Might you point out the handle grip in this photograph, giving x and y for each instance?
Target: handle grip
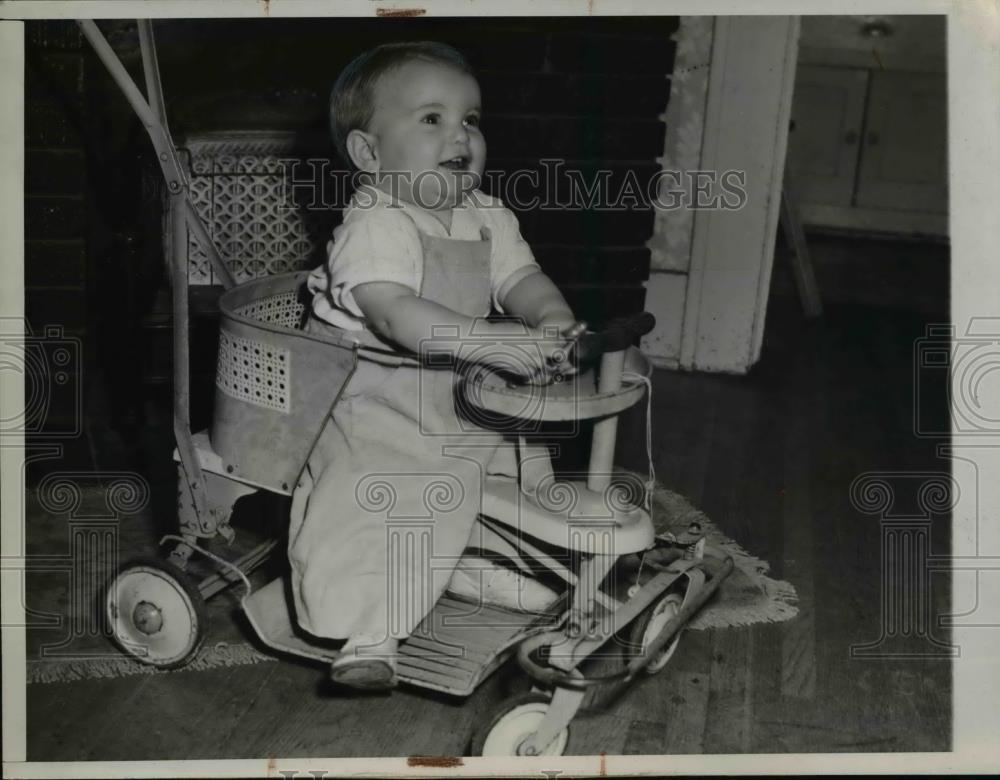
(622, 331)
(616, 336)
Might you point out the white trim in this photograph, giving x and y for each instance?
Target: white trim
(669, 363)
(193, 9)
(974, 156)
(746, 128)
(709, 144)
(905, 224)
(12, 390)
(670, 244)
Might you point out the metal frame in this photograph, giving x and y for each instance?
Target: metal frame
(152, 113)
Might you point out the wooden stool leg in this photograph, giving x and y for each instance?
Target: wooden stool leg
(802, 268)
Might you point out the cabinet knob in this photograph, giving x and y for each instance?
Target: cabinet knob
(873, 139)
(851, 137)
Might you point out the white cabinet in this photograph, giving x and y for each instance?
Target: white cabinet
(868, 147)
(904, 161)
(827, 113)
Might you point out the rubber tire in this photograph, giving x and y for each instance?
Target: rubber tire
(481, 736)
(641, 625)
(186, 587)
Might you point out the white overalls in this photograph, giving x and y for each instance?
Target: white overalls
(388, 499)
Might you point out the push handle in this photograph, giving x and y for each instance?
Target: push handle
(617, 335)
(586, 349)
(622, 331)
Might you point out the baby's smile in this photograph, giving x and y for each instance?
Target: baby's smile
(456, 163)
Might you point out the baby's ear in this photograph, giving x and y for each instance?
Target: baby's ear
(361, 149)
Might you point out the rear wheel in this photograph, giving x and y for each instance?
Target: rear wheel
(156, 613)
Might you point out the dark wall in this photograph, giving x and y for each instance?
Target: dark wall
(588, 92)
(93, 250)
(56, 203)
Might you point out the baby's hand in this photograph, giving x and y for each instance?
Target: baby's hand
(553, 358)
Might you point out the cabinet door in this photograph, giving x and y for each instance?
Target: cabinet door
(827, 111)
(904, 159)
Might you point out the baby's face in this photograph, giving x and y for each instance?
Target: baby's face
(427, 143)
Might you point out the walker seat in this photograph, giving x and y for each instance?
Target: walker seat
(273, 381)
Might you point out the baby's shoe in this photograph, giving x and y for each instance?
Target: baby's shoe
(484, 582)
(366, 662)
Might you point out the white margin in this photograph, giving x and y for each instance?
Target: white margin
(974, 148)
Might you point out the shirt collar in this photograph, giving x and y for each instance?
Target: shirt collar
(367, 193)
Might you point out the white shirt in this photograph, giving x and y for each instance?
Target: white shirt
(379, 242)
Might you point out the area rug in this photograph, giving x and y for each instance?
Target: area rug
(66, 581)
(79, 530)
(746, 596)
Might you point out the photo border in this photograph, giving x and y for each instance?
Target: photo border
(974, 176)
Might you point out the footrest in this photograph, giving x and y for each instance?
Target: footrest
(459, 644)
(268, 611)
(454, 648)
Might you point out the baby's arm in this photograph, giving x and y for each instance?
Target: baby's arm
(539, 302)
(399, 314)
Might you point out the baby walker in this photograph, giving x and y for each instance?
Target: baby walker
(272, 376)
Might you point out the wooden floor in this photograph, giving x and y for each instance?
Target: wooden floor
(770, 457)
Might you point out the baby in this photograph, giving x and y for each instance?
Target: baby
(386, 504)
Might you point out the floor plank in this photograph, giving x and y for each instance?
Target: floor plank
(728, 721)
(87, 712)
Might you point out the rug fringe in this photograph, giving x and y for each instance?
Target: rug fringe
(780, 607)
(219, 655)
(781, 598)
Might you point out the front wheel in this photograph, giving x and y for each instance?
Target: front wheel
(156, 613)
(648, 626)
(513, 724)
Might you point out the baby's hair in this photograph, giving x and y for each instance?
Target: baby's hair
(352, 99)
